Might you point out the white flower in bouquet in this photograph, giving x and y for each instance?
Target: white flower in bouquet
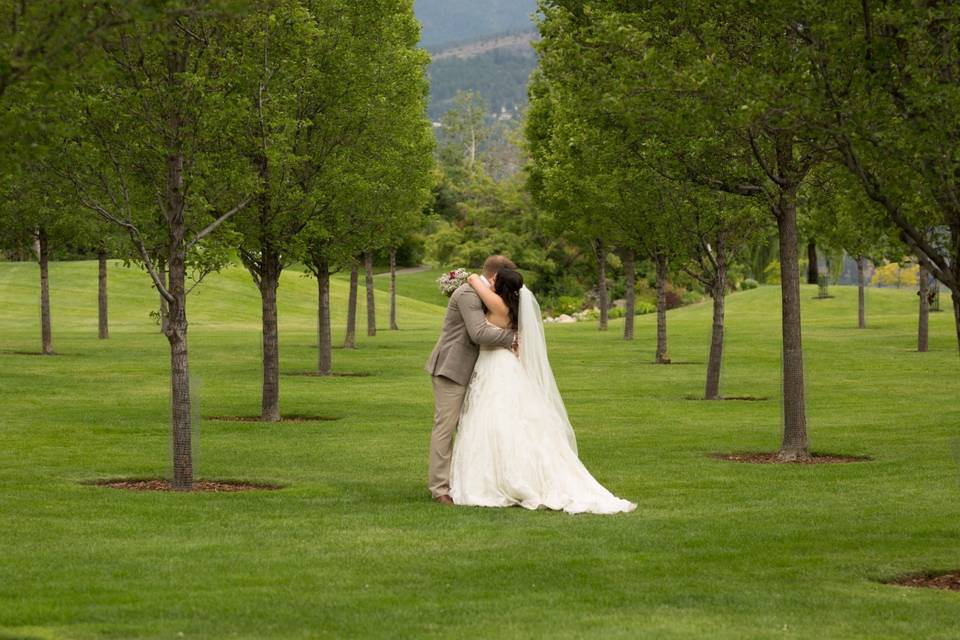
(452, 280)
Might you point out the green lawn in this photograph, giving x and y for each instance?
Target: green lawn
(353, 547)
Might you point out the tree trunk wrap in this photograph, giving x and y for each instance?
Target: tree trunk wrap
(861, 295)
(371, 302)
(630, 269)
(324, 334)
(164, 305)
(103, 327)
(795, 444)
(662, 265)
(923, 322)
(182, 423)
(269, 283)
(813, 267)
(46, 330)
(604, 298)
(956, 315)
(350, 340)
(715, 362)
(393, 290)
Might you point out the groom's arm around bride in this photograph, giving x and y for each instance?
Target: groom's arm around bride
(465, 329)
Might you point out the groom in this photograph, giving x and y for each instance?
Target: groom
(465, 329)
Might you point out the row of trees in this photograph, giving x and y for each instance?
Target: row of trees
(677, 132)
(281, 131)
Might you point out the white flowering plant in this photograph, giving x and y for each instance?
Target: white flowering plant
(452, 280)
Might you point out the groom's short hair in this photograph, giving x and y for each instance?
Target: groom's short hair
(495, 263)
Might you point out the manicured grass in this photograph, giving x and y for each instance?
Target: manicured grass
(352, 547)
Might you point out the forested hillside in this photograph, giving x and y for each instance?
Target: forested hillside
(447, 22)
(500, 76)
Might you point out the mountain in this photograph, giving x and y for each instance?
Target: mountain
(497, 69)
(482, 46)
(449, 22)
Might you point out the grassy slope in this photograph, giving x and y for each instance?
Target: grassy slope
(353, 547)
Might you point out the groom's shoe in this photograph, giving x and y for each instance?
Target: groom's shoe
(444, 500)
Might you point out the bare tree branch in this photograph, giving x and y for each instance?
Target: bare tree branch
(216, 223)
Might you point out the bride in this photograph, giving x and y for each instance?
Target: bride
(515, 445)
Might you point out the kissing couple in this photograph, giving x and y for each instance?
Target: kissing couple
(494, 389)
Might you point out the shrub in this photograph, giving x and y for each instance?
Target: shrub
(616, 312)
(893, 274)
(772, 273)
(674, 298)
(749, 283)
(567, 305)
(691, 297)
(643, 308)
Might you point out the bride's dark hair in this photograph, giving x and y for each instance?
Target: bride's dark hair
(507, 286)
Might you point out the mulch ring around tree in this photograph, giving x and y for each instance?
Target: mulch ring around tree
(29, 353)
(337, 374)
(730, 398)
(199, 486)
(772, 458)
(288, 419)
(949, 581)
(675, 363)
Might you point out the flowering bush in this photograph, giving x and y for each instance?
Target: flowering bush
(452, 280)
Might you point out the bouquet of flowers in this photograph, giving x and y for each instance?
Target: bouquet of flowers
(452, 280)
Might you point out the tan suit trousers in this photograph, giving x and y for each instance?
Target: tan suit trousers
(448, 399)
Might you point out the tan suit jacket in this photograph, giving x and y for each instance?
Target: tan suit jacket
(465, 329)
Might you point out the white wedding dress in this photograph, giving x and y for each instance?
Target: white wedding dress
(515, 445)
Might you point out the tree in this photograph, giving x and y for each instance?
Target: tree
(887, 76)
(382, 158)
(37, 38)
(34, 216)
(717, 96)
(308, 95)
(464, 131)
(715, 228)
(844, 219)
(565, 181)
(145, 151)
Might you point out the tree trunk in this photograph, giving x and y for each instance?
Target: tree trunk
(182, 424)
(180, 378)
(813, 268)
(324, 334)
(630, 269)
(662, 357)
(164, 305)
(861, 295)
(269, 281)
(350, 341)
(719, 293)
(393, 290)
(371, 303)
(46, 332)
(795, 445)
(956, 315)
(602, 295)
(102, 324)
(923, 324)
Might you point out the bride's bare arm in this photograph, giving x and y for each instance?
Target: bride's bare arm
(494, 302)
